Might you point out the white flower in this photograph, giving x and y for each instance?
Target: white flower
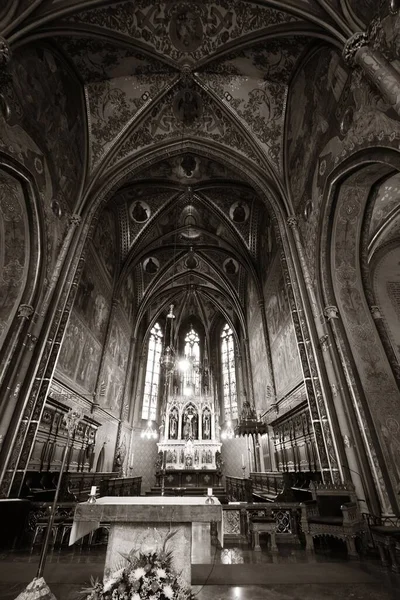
(114, 578)
(138, 573)
(168, 591)
(161, 573)
(135, 596)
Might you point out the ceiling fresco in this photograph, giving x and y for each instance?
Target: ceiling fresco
(210, 78)
(180, 29)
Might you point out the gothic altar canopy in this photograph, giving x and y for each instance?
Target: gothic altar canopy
(190, 437)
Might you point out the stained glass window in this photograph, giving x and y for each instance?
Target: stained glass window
(228, 373)
(150, 396)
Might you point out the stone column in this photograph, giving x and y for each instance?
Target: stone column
(322, 417)
(358, 51)
(338, 421)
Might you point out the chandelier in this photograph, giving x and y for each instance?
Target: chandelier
(248, 423)
(149, 433)
(168, 358)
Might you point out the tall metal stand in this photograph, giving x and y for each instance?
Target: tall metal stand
(162, 482)
(71, 419)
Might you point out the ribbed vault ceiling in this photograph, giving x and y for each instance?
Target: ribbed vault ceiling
(166, 79)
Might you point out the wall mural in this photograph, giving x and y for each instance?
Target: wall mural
(127, 295)
(379, 386)
(48, 107)
(44, 118)
(14, 254)
(92, 302)
(267, 244)
(386, 281)
(80, 361)
(358, 118)
(258, 351)
(387, 199)
(285, 356)
(105, 242)
(113, 374)
(307, 128)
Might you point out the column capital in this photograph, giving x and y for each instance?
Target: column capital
(352, 45)
(292, 221)
(25, 311)
(75, 220)
(331, 312)
(375, 312)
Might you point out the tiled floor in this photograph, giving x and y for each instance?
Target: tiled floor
(233, 573)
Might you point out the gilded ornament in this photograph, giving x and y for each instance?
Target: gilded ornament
(352, 46)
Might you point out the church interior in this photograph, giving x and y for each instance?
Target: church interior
(200, 285)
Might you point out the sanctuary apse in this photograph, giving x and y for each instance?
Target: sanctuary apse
(239, 161)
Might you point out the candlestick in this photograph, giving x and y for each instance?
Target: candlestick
(244, 471)
(209, 492)
(93, 490)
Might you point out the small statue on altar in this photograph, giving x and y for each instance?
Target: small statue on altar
(173, 424)
(196, 457)
(206, 424)
(174, 456)
(182, 456)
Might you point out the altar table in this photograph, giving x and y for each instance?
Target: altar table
(142, 523)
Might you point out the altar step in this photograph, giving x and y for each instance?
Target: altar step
(218, 492)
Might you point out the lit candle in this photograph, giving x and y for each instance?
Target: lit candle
(209, 491)
(242, 460)
(93, 490)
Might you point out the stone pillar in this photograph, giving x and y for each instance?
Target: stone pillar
(358, 51)
(322, 417)
(339, 422)
(34, 367)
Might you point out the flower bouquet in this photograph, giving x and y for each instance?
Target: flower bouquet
(146, 575)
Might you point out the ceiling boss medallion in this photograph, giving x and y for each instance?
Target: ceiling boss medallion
(186, 27)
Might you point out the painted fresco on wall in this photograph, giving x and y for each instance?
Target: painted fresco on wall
(13, 248)
(48, 106)
(258, 352)
(105, 242)
(118, 346)
(358, 118)
(307, 128)
(285, 357)
(259, 365)
(91, 302)
(71, 348)
(267, 247)
(127, 295)
(44, 131)
(114, 369)
(89, 363)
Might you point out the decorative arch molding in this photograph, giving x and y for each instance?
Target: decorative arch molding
(369, 388)
(19, 336)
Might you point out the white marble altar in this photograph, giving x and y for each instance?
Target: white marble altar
(143, 523)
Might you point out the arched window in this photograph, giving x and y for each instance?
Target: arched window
(150, 396)
(228, 373)
(191, 377)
